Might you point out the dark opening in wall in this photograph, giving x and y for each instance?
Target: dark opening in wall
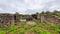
(2, 22)
(34, 16)
(14, 17)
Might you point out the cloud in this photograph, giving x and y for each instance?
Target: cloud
(28, 6)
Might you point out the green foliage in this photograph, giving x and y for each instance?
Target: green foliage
(56, 28)
(47, 12)
(32, 25)
(42, 12)
(22, 31)
(41, 28)
(44, 32)
(2, 32)
(12, 27)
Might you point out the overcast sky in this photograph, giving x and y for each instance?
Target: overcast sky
(28, 6)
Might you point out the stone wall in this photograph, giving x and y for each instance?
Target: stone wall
(9, 19)
(50, 18)
(6, 19)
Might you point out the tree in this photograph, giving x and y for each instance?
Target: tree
(16, 13)
(17, 16)
(42, 12)
(38, 15)
(48, 12)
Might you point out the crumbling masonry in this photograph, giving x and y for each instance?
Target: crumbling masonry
(52, 19)
(6, 19)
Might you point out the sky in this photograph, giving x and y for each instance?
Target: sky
(28, 6)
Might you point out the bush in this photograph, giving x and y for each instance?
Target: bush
(13, 27)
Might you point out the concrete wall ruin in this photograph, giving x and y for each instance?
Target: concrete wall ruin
(9, 19)
(6, 19)
(50, 18)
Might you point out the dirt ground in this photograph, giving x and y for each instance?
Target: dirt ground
(31, 22)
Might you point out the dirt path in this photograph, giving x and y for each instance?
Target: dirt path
(31, 22)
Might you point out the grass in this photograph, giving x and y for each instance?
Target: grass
(41, 28)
